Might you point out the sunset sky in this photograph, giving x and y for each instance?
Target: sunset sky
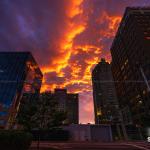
(66, 37)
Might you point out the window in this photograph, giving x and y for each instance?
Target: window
(3, 113)
(2, 122)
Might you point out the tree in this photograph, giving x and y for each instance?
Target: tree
(40, 113)
(27, 109)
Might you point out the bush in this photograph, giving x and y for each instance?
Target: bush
(50, 135)
(15, 140)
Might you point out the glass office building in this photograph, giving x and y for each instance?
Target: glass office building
(131, 66)
(19, 74)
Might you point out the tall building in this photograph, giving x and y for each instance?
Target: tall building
(19, 74)
(104, 94)
(68, 102)
(131, 65)
(61, 97)
(72, 106)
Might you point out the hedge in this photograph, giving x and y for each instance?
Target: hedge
(15, 140)
(50, 135)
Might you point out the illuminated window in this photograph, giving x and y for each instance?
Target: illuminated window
(126, 62)
(99, 112)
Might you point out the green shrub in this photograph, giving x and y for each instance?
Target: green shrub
(15, 140)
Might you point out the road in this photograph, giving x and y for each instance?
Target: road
(94, 146)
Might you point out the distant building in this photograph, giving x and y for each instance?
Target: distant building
(104, 95)
(19, 74)
(72, 106)
(68, 102)
(131, 65)
(61, 97)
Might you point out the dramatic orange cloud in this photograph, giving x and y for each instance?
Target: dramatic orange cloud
(66, 37)
(74, 8)
(113, 22)
(65, 44)
(75, 60)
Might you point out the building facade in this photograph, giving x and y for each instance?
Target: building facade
(131, 66)
(68, 102)
(72, 106)
(104, 95)
(19, 74)
(61, 97)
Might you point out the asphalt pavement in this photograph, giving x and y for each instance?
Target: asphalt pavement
(93, 146)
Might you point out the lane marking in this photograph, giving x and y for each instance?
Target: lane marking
(140, 147)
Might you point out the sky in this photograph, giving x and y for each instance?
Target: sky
(66, 37)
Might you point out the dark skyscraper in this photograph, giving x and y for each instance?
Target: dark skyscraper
(131, 66)
(104, 95)
(19, 74)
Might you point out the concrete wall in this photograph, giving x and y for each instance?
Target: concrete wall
(101, 133)
(89, 132)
